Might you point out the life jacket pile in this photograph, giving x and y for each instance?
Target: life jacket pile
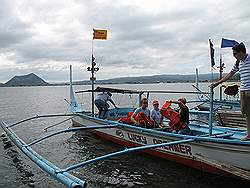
(172, 115)
(144, 121)
(127, 120)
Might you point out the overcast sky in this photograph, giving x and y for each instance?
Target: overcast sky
(145, 37)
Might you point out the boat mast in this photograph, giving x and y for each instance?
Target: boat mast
(102, 35)
(211, 111)
(221, 67)
(197, 78)
(211, 93)
(92, 69)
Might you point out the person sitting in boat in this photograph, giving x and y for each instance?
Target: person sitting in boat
(101, 103)
(141, 116)
(156, 115)
(183, 127)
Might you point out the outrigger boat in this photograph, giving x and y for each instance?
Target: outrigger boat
(208, 148)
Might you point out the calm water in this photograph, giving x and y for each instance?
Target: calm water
(134, 170)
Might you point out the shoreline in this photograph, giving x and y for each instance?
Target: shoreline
(129, 83)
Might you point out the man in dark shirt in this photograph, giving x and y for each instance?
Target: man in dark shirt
(184, 116)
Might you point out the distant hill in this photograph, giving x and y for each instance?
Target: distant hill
(34, 80)
(26, 80)
(156, 79)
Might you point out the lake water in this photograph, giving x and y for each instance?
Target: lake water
(134, 170)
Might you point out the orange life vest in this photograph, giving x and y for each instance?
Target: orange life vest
(143, 120)
(127, 120)
(172, 115)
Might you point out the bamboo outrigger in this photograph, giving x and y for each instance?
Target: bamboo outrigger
(215, 144)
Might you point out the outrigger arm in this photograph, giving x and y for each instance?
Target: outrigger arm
(125, 151)
(41, 116)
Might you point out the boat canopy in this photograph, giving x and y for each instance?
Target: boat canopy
(126, 91)
(112, 90)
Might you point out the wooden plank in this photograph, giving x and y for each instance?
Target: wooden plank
(244, 174)
(230, 119)
(234, 121)
(228, 124)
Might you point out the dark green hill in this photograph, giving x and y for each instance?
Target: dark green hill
(26, 80)
(157, 79)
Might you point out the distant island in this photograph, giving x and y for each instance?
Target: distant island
(34, 80)
(25, 80)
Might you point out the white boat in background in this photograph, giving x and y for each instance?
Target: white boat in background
(218, 104)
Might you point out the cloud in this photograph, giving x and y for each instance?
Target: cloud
(12, 29)
(144, 37)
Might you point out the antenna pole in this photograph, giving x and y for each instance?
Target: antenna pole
(92, 78)
(93, 69)
(221, 73)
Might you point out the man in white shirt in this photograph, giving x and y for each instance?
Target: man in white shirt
(243, 66)
(155, 114)
(101, 103)
(143, 108)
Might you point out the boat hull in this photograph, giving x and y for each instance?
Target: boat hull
(187, 154)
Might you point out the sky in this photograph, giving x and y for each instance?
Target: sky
(145, 37)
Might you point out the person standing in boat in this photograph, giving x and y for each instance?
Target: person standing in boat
(156, 115)
(183, 127)
(101, 103)
(142, 109)
(243, 66)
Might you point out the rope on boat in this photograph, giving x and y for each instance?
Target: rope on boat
(205, 94)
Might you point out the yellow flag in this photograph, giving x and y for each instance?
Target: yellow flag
(100, 34)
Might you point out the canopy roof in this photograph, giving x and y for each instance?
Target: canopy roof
(112, 90)
(127, 91)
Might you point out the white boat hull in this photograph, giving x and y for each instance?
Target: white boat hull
(188, 154)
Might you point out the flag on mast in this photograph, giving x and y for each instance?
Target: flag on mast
(211, 53)
(100, 34)
(228, 43)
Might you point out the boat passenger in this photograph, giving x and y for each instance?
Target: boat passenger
(101, 103)
(242, 65)
(142, 109)
(184, 116)
(156, 115)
